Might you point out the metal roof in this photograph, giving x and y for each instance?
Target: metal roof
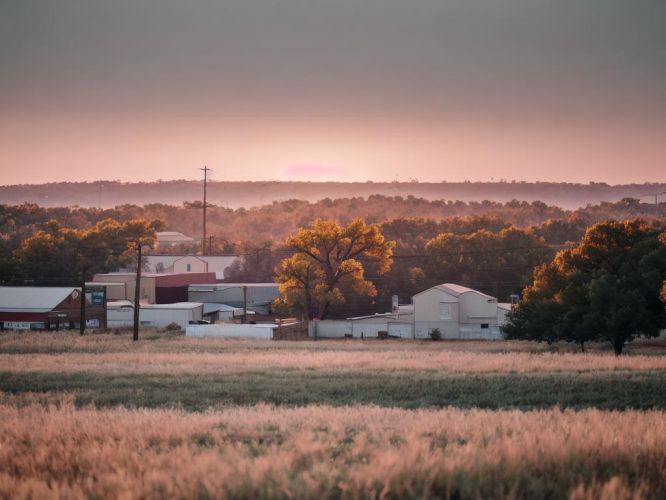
(211, 307)
(32, 298)
(225, 286)
(175, 305)
(456, 290)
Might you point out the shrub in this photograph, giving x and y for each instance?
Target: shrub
(435, 334)
(172, 327)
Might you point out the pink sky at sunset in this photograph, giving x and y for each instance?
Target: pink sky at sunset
(317, 90)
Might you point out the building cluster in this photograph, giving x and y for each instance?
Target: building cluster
(189, 290)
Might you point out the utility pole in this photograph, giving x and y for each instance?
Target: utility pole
(82, 317)
(244, 304)
(137, 293)
(203, 240)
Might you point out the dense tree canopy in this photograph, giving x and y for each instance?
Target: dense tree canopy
(60, 254)
(608, 287)
(326, 269)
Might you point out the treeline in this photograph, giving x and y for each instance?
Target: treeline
(491, 246)
(247, 194)
(276, 221)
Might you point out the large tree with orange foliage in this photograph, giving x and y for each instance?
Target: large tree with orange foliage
(326, 269)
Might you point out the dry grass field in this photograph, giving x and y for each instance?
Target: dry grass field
(172, 417)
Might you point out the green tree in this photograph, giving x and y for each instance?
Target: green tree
(497, 263)
(326, 269)
(61, 253)
(607, 288)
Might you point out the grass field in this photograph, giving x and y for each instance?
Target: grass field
(101, 416)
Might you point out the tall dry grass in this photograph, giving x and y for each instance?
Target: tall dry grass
(316, 452)
(331, 360)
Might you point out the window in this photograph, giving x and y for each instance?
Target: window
(189, 268)
(484, 325)
(445, 311)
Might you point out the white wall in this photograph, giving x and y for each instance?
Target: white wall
(475, 309)
(231, 331)
(402, 330)
(329, 328)
(196, 265)
(370, 327)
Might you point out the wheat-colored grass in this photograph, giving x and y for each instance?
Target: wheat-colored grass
(330, 361)
(58, 451)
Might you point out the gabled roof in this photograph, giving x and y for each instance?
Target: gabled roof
(456, 290)
(33, 299)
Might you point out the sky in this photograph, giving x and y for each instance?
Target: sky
(345, 90)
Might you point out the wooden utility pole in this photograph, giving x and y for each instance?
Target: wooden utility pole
(137, 293)
(203, 240)
(244, 304)
(82, 317)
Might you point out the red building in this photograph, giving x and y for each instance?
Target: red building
(44, 308)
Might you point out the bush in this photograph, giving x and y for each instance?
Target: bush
(172, 327)
(435, 334)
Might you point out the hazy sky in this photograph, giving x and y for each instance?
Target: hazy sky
(437, 90)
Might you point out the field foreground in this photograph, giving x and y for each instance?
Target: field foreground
(103, 417)
(322, 451)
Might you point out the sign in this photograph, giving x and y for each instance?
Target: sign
(96, 295)
(17, 325)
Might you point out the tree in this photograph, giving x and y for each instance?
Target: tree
(255, 265)
(56, 254)
(326, 268)
(497, 263)
(607, 288)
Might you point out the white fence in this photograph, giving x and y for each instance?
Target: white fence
(359, 328)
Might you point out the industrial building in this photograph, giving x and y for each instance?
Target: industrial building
(156, 288)
(190, 264)
(44, 308)
(257, 297)
(458, 312)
